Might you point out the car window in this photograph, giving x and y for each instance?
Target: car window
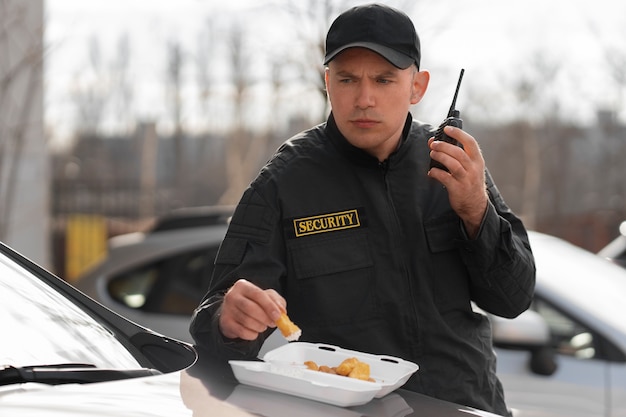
(41, 326)
(569, 337)
(173, 285)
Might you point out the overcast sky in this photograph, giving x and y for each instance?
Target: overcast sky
(493, 40)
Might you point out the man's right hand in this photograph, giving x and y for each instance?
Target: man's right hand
(248, 310)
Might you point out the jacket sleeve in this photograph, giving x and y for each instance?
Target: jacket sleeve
(500, 260)
(252, 249)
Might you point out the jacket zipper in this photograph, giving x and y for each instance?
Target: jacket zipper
(415, 342)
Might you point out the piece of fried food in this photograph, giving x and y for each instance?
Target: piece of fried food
(327, 369)
(351, 368)
(360, 371)
(347, 366)
(290, 331)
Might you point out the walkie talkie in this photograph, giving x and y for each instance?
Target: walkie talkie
(453, 119)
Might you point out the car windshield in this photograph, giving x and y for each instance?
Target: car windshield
(584, 280)
(40, 326)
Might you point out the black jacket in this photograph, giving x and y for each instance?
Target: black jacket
(371, 257)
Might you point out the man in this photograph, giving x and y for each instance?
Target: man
(368, 248)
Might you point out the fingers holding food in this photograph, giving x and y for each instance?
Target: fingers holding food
(248, 310)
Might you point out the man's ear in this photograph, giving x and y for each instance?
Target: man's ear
(420, 85)
(326, 79)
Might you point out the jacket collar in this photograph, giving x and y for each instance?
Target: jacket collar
(358, 155)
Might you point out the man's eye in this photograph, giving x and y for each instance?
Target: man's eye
(383, 81)
(345, 80)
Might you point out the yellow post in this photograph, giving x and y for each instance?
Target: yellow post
(86, 243)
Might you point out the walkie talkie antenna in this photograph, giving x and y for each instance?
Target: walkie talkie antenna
(456, 93)
(454, 120)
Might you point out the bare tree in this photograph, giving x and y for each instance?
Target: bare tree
(277, 82)
(241, 149)
(122, 85)
(529, 90)
(104, 87)
(204, 60)
(311, 19)
(91, 94)
(616, 60)
(175, 63)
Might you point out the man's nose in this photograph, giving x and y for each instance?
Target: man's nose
(365, 96)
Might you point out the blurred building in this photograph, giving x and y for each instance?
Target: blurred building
(24, 179)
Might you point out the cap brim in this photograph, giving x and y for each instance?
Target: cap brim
(398, 59)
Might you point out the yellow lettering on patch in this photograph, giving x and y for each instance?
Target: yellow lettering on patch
(326, 223)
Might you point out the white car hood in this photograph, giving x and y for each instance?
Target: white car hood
(171, 395)
(180, 394)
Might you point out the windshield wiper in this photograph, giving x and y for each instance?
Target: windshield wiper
(67, 373)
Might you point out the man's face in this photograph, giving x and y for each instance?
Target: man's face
(370, 99)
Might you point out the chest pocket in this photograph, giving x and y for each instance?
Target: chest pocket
(331, 278)
(443, 233)
(450, 279)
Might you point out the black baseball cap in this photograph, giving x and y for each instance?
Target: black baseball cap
(380, 28)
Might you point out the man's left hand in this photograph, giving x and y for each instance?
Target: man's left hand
(465, 180)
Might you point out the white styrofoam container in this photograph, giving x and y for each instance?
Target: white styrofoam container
(283, 370)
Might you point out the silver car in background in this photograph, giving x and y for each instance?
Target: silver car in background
(616, 249)
(566, 356)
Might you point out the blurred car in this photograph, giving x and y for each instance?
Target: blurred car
(157, 278)
(566, 356)
(616, 249)
(64, 354)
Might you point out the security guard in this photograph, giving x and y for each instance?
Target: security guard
(368, 248)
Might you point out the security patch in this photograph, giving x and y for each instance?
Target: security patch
(329, 222)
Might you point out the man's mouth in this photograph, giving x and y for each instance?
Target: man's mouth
(364, 123)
